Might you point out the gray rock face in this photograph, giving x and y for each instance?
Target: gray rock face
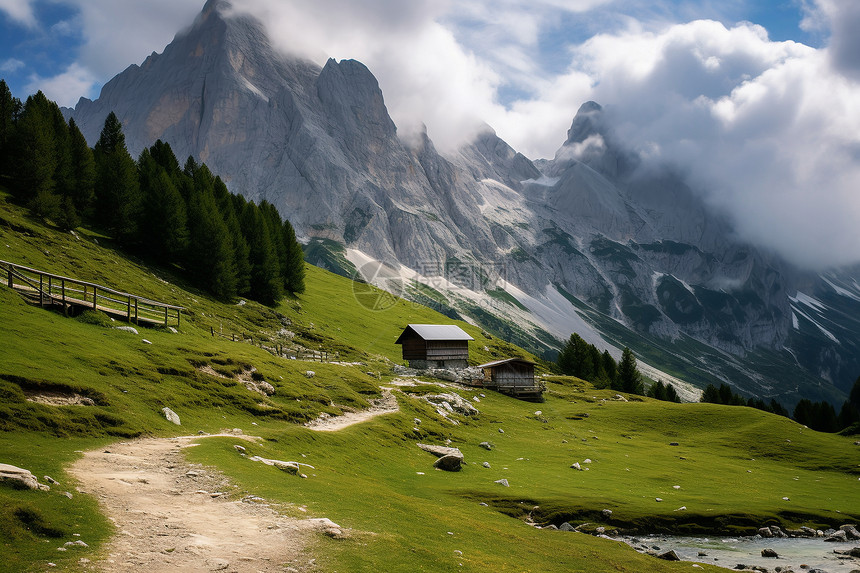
(629, 243)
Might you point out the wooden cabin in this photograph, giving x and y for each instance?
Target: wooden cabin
(512, 376)
(435, 346)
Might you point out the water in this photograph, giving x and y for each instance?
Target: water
(730, 551)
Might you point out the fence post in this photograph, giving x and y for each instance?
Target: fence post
(135, 311)
(128, 309)
(41, 291)
(10, 276)
(212, 330)
(50, 291)
(95, 296)
(63, 295)
(165, 317)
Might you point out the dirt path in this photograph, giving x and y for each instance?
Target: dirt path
(169, 516)
(385, 405)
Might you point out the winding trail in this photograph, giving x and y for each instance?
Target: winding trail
(172, 516)
(385, 405)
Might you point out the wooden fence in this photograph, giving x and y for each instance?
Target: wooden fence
(280, 350)
(56, 290)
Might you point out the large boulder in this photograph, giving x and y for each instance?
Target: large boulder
(449, 463)
(20, 478)
(440, 451)
(851, 532)
(171, 416)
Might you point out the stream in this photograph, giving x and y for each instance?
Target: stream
(728, 552)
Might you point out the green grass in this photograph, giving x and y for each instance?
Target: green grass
(404, 524)
(367, 476)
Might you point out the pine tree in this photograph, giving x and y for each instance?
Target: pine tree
(294, 280)
(10, 108)
(84, 172)
(610, 367)
(210, 253)
(35, 149)
(266, 283)
(628, 374)
(711, 395)
(163, 231)
(117, 187)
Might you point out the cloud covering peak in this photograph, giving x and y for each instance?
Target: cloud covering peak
(768, 130)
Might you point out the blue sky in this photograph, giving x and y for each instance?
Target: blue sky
(41, 40)
(756, 100)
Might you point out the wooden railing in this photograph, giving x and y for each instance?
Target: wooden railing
(51, 289)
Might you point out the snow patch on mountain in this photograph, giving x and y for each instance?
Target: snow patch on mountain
(841, 291)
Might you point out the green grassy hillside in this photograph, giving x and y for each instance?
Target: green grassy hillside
(733, 465)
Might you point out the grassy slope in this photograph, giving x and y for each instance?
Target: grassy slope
(366, 477)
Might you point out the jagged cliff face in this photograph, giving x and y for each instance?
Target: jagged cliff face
(592, 240)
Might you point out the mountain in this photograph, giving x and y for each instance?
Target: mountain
(593, 241)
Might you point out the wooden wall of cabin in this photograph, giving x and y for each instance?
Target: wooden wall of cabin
(447, 350)
(414, 349)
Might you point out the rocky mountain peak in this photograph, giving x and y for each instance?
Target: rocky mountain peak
(587, 122)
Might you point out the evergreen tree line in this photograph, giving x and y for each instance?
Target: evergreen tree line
(183, 216)
(819, 416)
(583, 360)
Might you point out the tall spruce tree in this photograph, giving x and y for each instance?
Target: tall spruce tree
(83, 172)
(209, 257)
(294, 280)
(629, 379)
(10, 108)
(163, 231)
(266, 282)
(117, 187)
(35, 148)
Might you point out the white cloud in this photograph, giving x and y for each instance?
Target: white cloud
(65, 88)
(21, 11)
(11, 65)
(770, 130)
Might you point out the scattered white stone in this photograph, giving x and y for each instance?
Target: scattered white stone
(503, 482)
(51, 480)
(130, 329)
(682, 508)
(676, 487)
(310, 373)
(658, 499)
(172, 330)
(587, 461)
(145, 341)
(486, 464)
(475, 399)
(67, 494)
(240, 449)
(538, 412)
(416, 421)
(785, 499)
(576, 466)
(420, 473)
(171, 416)
(501, 431)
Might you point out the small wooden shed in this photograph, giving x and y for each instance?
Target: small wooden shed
(435, 346)
(513, 376)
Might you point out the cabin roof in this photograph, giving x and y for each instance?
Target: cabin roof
(506, 361)
(435, 332)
